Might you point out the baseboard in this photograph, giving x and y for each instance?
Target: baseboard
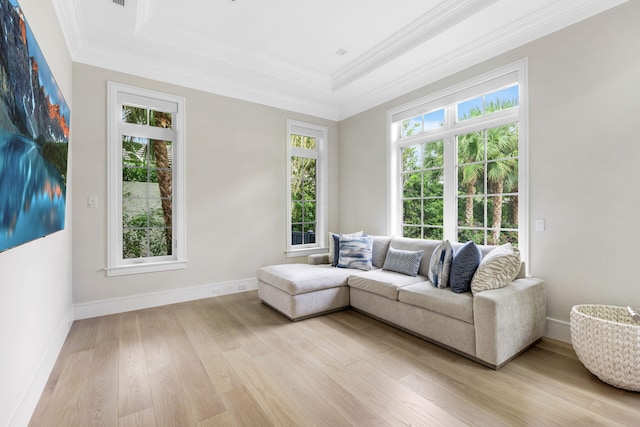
(39, 380)
(156, 299)
(558, 330)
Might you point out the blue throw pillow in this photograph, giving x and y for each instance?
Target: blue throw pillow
(356, 252)
(463, 267)
(405, 262)
(336, 249)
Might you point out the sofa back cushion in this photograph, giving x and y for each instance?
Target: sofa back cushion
(484, 249)
(380, 248)
(409, 244)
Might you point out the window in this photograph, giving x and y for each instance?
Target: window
(306, 183)
(146, 181)
(457, 162)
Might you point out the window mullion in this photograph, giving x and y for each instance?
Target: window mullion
(450, 212)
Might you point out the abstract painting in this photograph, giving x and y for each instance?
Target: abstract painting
(34, 136)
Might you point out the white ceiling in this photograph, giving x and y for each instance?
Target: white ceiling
(283, 53)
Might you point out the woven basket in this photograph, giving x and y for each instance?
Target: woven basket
(607, 342)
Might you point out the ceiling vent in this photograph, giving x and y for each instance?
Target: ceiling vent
(120, 2)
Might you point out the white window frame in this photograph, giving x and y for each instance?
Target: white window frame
(295, 127)
(117, 95)
(515, 72)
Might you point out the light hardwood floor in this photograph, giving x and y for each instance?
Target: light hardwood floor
(232, 361)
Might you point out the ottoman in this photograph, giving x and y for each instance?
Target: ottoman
(299, 291)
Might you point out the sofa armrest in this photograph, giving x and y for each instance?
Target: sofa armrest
(509, 319)
(316, 259)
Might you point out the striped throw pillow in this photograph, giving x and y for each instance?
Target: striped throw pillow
(498, 268)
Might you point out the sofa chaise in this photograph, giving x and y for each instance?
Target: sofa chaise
(490, 326)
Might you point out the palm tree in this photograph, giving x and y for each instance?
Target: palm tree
(165, 176)
(502, 167)
(470, 157)
(502, 175)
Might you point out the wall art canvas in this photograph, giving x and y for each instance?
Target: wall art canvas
(34, 136)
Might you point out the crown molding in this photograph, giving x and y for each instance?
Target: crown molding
(360, 85)
(302, 101)
(71, 20)
(527, 29)
(427, 26)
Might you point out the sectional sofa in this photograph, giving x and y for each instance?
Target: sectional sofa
(499, 318)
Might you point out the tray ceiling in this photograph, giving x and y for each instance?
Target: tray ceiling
(330, 58)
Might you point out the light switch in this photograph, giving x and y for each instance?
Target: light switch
(92, 201)
(539, 224)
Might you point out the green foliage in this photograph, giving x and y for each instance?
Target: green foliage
(57, 154)
(433, 233)
(466, 235)
(139, 240)
(137, 162)
(303, 192)
(302, 141)
(410, 127)
(423, 187)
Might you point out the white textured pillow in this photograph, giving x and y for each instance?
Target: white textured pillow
(440, 264)
(333, 250)
(496, 270)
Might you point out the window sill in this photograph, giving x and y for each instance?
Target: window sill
(146, 267)
(295, 253)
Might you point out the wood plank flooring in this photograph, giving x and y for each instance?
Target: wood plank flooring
(231, 361)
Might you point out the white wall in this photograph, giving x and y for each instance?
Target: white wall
(236, 196)
(584, 99)
(35, 284)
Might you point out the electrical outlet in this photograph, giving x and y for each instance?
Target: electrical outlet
(242, 287)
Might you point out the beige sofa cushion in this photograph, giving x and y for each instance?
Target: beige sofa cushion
(409, 244)
(382, 282)
(301, 278)
(380, 248)
(441, 301)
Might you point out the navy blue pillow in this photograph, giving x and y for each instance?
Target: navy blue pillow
(463, 267)
(336, 249)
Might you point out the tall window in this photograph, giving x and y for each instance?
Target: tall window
(457, 167)
(146, 185)
(306, 177)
